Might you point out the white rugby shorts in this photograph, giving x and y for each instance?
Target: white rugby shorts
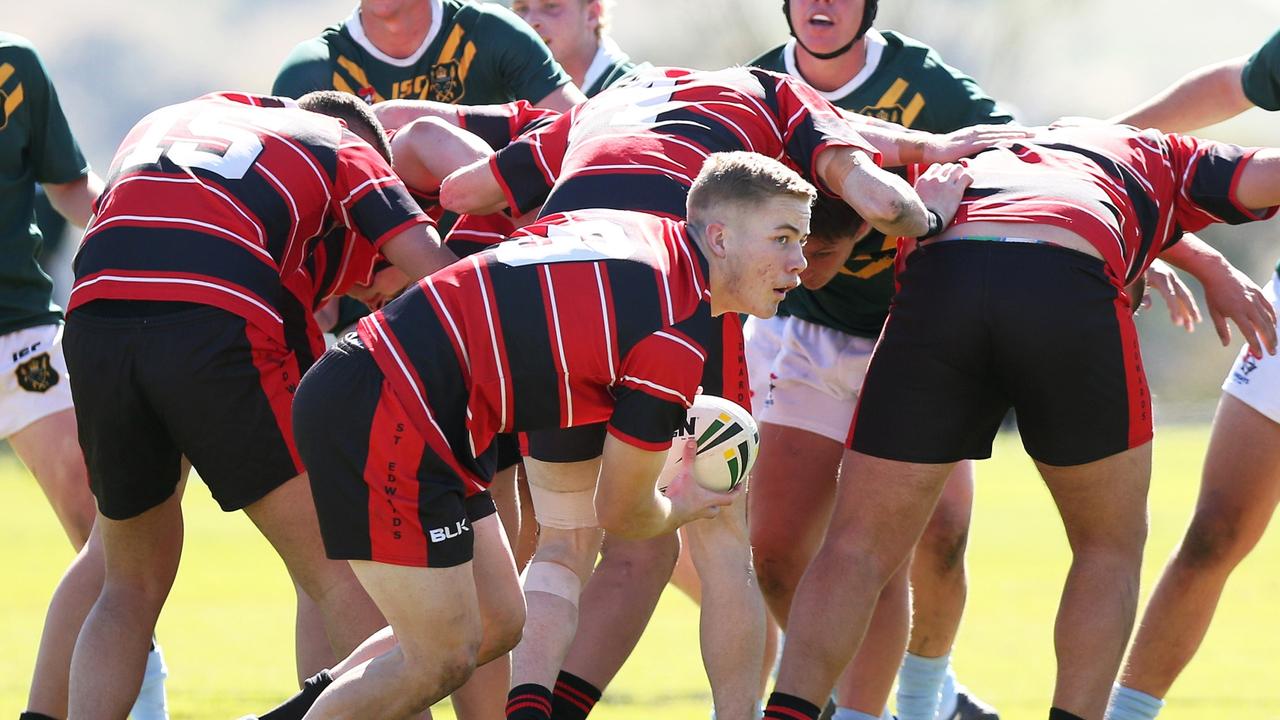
(33, 377)
(1256, 382)
(804, 375)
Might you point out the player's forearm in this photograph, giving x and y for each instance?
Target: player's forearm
(627, 501)
(74, 200)
(896, 144)
(563, 98)
(417, 251)
(395, 114)
(1198, 259)
(883, 199)
(1202, 97)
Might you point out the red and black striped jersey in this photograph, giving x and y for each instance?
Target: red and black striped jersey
(640, 144)
(1130, 193)
(581, 318)
(216, 201)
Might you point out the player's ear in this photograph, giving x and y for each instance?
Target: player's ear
(717, 239)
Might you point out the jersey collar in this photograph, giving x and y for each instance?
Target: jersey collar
(875, 50)
(356, 28)
(607, 55)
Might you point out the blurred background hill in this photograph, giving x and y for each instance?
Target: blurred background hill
(114, 62)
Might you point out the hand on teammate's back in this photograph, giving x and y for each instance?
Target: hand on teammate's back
(967, 141)
(941, 187)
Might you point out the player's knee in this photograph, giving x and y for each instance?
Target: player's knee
(450, 668)
(943, 545)
(1217, 538)
(654, 559)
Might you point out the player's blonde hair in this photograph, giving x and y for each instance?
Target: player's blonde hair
(744, 179)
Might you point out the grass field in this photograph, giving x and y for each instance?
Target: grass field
(227, 630)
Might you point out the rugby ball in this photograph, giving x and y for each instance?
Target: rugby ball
(728, 441)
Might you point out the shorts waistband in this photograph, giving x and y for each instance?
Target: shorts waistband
(996, 238)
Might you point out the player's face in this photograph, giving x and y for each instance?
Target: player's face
(386, 285)
(825, 257)
(826, 25)
(765, 255)
(562, 24)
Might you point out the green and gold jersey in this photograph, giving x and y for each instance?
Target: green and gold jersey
(36, 146)
(608, 67)
(904, 82)
(1261, 76)
(474, 54)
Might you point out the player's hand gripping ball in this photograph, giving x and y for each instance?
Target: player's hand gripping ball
(728, 442)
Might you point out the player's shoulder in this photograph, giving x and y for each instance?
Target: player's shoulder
(18, 50)
(771, 60)
(475, 15)
(904, 53)
(308, 63)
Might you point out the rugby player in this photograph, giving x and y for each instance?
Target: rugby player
(1048, 235)
(178, 328)
(36, 413)
(807, 366)
(448, 51)
(636, 146)
(577, 33)
(583, 318)
(1240, 484)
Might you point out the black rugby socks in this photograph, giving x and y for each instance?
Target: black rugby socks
(34, 716)
(298, 705)
(789, 707)
(573, 698)
(529, 701)
(1060, 714)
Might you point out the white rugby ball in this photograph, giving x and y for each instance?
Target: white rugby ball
(728, 442)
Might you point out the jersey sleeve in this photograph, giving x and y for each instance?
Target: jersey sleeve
(1207, 174)
(524, 62)
(657, 383)
(55, 156)
(306, 69)
(528, 167)
(370, 199)
(1261, 76)
(811, 124)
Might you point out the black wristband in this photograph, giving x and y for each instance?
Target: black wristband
(936, 226)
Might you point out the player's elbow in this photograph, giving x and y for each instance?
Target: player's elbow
(896, 215)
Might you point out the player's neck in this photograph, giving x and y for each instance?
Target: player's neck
(577, 61)
(833, 74)
(718, 299)
(399, 35)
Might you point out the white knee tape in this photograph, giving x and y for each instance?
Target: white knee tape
(552, 578)
(564, 510)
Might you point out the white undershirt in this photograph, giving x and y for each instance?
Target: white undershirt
(875, 49)
(356, 28)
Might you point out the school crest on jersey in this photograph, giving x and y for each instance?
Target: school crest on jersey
(891, 113)
(446, 82)
(368, 94)
(37, 374)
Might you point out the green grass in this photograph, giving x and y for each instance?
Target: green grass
(227, 630)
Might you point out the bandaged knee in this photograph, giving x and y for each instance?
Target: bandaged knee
(554, 579)
(572, 510)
